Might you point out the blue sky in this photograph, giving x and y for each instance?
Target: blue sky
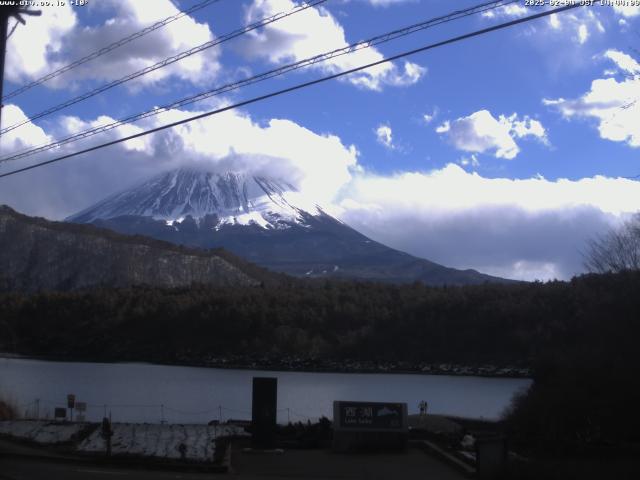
(503, 153)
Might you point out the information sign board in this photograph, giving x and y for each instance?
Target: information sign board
(373, 416)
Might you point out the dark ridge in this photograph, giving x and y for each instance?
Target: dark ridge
(263, 275)
(259, 273)
(90, 229)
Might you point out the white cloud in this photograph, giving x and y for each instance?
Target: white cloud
(527, 229)
(627, 10)
(480, 132)
(614, 104)
(56, 39)
(386, 3)
(384, 136)
(583, 33)
(412, 74)
(525, 127)
(317, 163)
(29, 135)
(580, 23)
(315, 31)
(583, 24)
(471, 160)
(430, 117)
(382, 3)
(44, 36)
(444, 128)
(512, 10)
(624, 62)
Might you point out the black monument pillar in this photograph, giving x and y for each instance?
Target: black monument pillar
(263, 412)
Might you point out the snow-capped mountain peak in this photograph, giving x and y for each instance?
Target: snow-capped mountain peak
(234, 198)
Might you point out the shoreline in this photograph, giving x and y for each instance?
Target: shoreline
(309, 366)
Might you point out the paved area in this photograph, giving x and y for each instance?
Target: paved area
(322, 464)
(12, 448)
(21, 469)
(435, 424)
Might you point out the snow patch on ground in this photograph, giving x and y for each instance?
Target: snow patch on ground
(41, 431)
(162, 441)
(136, 439)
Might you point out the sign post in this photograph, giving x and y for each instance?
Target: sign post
(71, 402)
(369, 426)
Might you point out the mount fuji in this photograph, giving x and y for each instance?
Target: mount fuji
(266, 221)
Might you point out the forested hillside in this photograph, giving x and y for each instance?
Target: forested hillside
(518, 323)
(580, 337)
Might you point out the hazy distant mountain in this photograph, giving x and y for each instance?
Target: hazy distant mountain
(264, 220)
(36, 254)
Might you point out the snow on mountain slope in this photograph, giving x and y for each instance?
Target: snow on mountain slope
(235, 198)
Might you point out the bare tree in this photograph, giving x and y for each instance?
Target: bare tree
(616, 251)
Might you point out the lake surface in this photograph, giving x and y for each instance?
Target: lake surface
(135, 392)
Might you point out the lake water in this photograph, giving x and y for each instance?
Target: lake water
(135, 392)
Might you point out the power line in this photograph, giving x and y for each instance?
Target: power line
(379, 39)
(301, 86)
(109, 48)
(164, 63)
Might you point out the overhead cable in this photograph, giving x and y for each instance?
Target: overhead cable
(323, 57)
(301, 86)
(108, 48)
(163, 63)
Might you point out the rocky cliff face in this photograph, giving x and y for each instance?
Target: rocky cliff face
(36, 254)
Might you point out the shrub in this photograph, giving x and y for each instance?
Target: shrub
(8, 410)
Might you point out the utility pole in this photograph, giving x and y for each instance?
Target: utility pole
(6, 12)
